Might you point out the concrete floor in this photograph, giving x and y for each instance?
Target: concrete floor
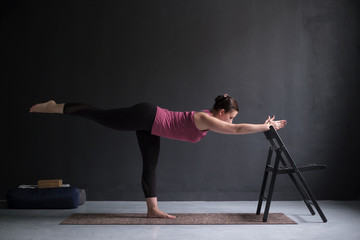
(343, 222)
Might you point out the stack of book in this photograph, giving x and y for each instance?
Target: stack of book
(52, 183)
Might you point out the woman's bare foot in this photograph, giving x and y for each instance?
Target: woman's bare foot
(153, 210)
(47, 107)
(156, 213)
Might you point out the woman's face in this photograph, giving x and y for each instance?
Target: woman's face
(226, 117)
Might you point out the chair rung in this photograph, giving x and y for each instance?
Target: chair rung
(302, 167)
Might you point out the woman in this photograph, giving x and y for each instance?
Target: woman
(152, 122)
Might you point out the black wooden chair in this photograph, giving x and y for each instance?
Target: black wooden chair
(284, 164)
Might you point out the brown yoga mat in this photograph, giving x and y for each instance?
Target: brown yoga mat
(181, 219)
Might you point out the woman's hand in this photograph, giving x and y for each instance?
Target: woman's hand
(276, 124)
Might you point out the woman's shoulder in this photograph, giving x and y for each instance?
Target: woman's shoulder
(206, 111)
(200, 119)
(202, 114)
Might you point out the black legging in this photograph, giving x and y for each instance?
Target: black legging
(139, 118)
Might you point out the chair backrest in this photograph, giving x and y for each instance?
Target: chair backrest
(278, 145)
(271, 135)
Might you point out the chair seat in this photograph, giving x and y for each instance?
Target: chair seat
(302, 168)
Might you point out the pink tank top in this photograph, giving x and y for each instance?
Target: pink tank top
(177, 125)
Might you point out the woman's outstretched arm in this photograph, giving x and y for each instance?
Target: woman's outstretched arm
(203, 121)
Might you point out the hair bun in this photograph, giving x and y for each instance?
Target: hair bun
(222, 97)
(225, 102)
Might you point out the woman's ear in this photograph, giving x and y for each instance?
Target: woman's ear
(222, 112)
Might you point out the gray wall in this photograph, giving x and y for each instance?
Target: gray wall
(297, 60)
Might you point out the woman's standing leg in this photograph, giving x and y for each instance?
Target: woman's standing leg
(150, 148)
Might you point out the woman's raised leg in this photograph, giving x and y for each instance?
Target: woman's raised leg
(137, 117)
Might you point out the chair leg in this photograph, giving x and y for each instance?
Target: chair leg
(263, 185)
(300, 190)
(302, 193)
(272, 184)
(312, 198)
(307, 190)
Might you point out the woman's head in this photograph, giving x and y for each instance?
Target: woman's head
(225, 108)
